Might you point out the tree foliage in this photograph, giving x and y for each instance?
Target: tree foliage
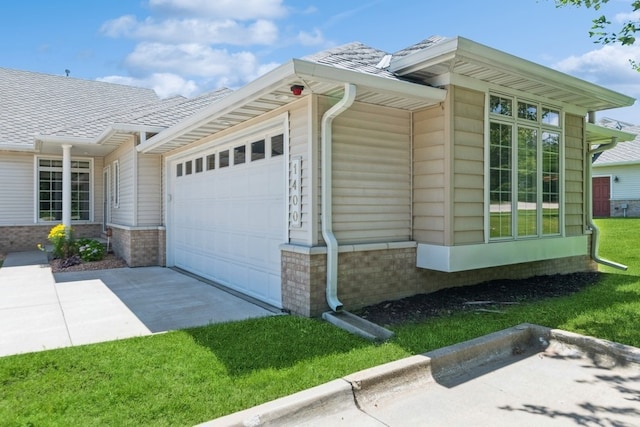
(600, 29)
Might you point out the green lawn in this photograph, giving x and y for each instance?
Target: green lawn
(189, 376)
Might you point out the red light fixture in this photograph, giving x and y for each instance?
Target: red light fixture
(297, 90)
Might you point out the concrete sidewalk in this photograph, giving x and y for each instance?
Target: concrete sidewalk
(40, 310)
(523, 376)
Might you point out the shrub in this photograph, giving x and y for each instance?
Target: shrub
(61, 238)
(90, 250)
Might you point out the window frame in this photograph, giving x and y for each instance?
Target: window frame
(91, 190)
(518, 183)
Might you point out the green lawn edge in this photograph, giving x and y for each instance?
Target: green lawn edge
(190, 376)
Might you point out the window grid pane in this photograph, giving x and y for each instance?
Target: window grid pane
(527, 182)
(500, 180)
(50, 190)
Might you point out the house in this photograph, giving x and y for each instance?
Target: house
(345, 178)
(616, 176)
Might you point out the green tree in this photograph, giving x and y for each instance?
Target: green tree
(601, 28)
(625, 35)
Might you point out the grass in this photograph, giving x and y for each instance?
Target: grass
(189, 376)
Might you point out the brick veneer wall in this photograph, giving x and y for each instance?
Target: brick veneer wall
(16, 238)
(632, 211)
(139, 247)
(370, 277)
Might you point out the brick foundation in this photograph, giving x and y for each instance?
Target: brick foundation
(618, 209)
(370, 277)
(141, 247)
(17, 238)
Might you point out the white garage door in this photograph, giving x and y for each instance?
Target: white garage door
(227, 216)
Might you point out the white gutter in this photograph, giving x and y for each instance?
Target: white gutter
(327, 204)
(595, 236)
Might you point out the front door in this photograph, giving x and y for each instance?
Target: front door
(601, 197)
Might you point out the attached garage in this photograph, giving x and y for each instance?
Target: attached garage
(226, 215)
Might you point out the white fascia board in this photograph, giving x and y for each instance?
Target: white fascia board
(433, 55)
(245, 94)
(495, 254)
(18, 147)
(465, 49)
(325, 73)
(54, 139)
(294, 70)
(600, 134)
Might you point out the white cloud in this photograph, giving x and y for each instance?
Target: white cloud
(227, 31)
(199, 61)
(624, 17)
(165, 84)
(608, 66)
(314, 38)
(220, 9)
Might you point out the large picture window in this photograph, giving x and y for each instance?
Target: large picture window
(50, 190)
(524, 168)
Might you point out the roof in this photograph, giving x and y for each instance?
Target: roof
(626, 153)
(34, 103)
(410, 79)
(457, 59)
(102, 134)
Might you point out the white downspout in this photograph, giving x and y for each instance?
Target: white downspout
(595, 241)
(326, 143)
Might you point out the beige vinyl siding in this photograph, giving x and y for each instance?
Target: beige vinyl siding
(299, 141)
(124, 213)
(372, 175)
(468, 166)
(574, 181)
(17, 198)
(149, 190)
(429, 175)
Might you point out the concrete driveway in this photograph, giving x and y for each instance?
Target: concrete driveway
(40, 310)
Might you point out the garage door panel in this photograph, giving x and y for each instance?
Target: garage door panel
(227, 225)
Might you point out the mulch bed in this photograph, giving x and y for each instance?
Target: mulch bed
(491, 296)
(109, 261)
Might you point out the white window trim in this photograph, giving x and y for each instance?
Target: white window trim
(541, 127)
(36, 187)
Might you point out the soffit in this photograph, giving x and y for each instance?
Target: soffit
(273, 91)
(462, 57)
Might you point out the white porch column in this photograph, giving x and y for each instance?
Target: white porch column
(66, 186)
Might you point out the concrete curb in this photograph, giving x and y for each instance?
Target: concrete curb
(361, 390)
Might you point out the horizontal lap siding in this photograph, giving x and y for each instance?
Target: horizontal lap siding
(574, 172)
(16, 192)
(468, 166)
(429, 175)
(123, 214)
(149, 190)
(372, 175)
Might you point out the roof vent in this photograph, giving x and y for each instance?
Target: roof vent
(384, 62)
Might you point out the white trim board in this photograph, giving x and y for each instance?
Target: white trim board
(470, 257)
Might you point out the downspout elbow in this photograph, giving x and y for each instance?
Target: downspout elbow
(327, 204)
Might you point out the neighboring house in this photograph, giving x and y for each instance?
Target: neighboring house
(616, 176)
(348, 177)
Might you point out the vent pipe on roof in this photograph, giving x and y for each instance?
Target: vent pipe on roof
(326, 143)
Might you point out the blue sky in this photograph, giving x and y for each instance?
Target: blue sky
(191, 46)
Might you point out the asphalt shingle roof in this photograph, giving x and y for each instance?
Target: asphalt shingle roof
(163, 113)
(357, 56)
(32, 103)
(625, 152)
